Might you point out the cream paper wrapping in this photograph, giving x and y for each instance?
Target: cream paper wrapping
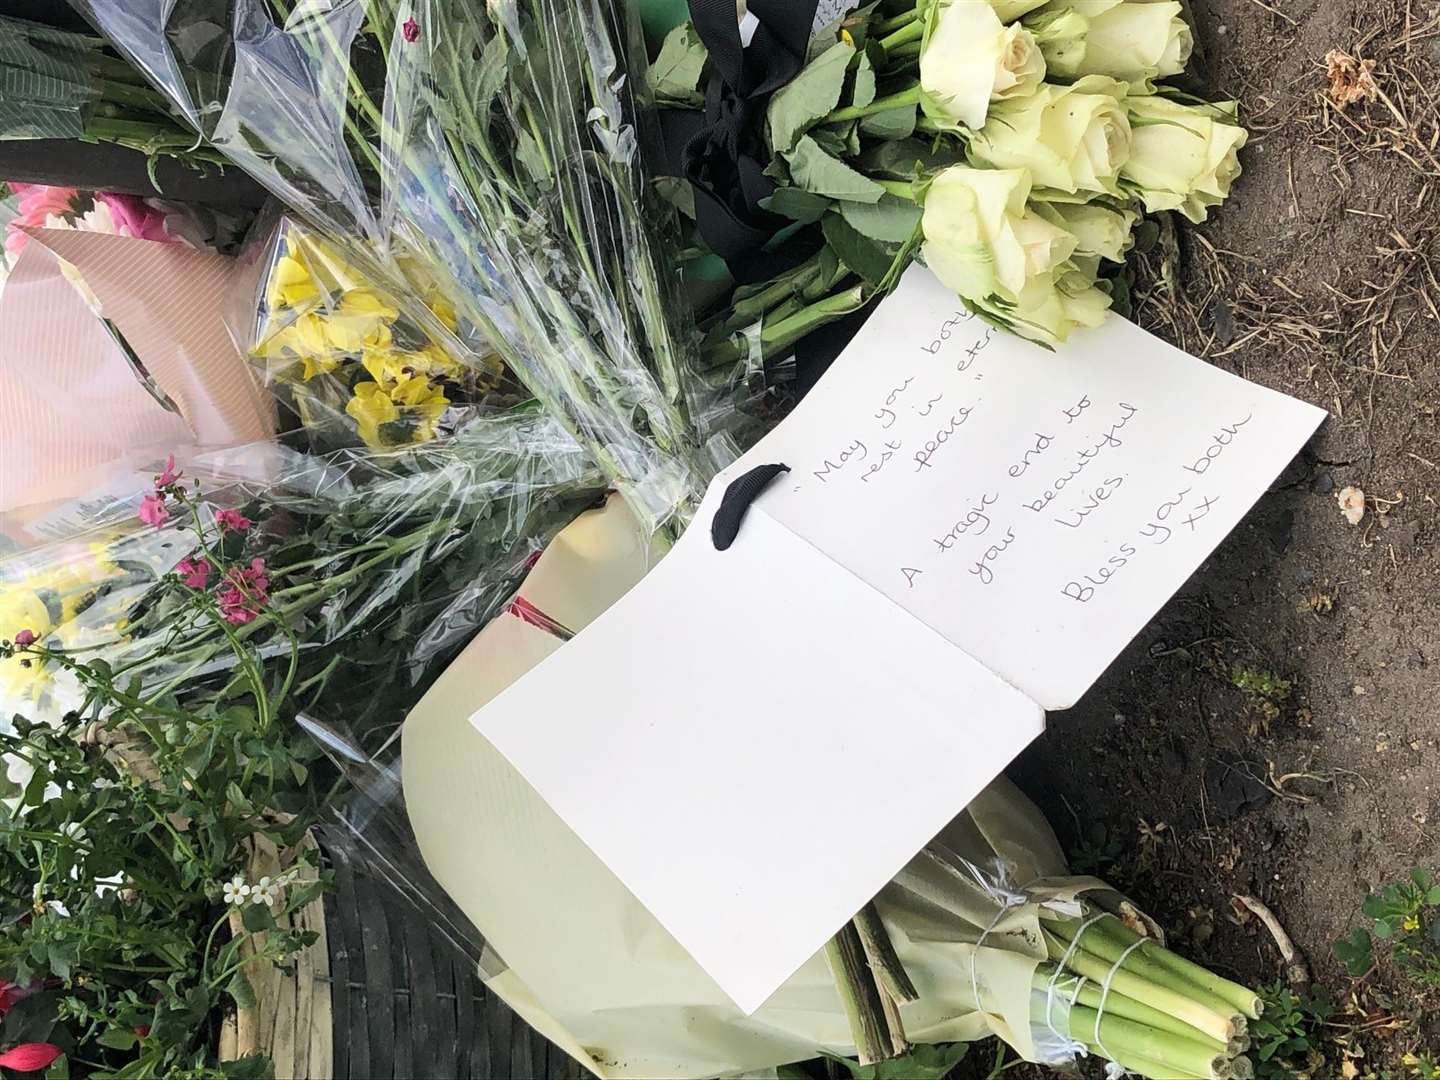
(579, 958)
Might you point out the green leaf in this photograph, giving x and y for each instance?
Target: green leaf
(922, 1063)
(814, 170)
(59, 1068)
(675, 75)
(891, 220)
(795, 204)
(864, 90)
(490, 75)
(861, 254)
(1432, 898)
(61, 956)
(240, 989)
(257, 918)
(891, 124)
(1357, 953)
(1383, 929)
(118, 1038)
(905, 159)
(808, 97)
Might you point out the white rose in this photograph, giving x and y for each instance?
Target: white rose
(1010, 10)
(972, 59)
(1184, 157)
(1132, 40)
(1071, 138)
(1098, 230)
(980, 238)
(1052, 305)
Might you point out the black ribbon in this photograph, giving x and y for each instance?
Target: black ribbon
(735, 503)
(722, 152)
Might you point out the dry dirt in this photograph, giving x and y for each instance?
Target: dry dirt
(1317, 279)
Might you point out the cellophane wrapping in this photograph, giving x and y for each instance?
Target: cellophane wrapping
(485, 159)
(379, 566)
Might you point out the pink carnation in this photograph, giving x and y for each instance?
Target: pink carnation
(23, 639)
(195, 573)
(245, 593)
(411, 29)
(232, 520)
(37, 202)
(153, 510)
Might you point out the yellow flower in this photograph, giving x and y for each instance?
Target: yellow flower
(318, 365)
(435, 362)
(290, 283)
(1412, 922)
(362, 319)
(443, 309)
(22, 609)
(387, 367)
(367, 302)
(412, 406)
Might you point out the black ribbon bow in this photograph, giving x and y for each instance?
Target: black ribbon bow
(723, 154)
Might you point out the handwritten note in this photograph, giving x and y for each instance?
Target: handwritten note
(971, 528)
(1035, 508)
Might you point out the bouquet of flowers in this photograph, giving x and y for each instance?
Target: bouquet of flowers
(1009, 144)
(499, 151)
(340, 350)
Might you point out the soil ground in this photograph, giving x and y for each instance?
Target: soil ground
(1276, 730)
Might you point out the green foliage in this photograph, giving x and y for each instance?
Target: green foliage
(1265, 685)
(1405, 916)
(1287, 1037)
(675, 74)
(803, 101)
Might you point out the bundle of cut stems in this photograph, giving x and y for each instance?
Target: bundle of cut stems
(1141, 1005)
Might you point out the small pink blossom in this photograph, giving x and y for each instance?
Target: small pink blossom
(411, 30)
(232, 520)
(195, 573)
(25, 638)
(153, 510)
(170, 475)
(245, 593)
(30, 1057)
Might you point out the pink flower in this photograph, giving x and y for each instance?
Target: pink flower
(195, 573)
(411, 30)
(12, 994)
(133, 216)
(170, 475)
(30, 1057)
(37, 202)
(24, 638)
(232, 520)
(245, 593)
(153, 510)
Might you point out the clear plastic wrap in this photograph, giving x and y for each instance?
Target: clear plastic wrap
(496, 147)
(343, 354)
(375, 567)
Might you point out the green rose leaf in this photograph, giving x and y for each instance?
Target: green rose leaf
(814, 170)
(891, 124)
(864, 91)
(864, 256)
(675, 75)
(892, 220)
(797, 205)
(808, 97)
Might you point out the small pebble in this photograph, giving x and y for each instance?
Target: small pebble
(1324, 484)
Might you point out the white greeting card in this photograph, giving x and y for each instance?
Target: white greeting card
(971, 530)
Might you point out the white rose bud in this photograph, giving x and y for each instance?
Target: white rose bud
(973, 59)
(1135, 41)
(1184, 157)
(982, 240)
(1099, 230)
(1071, 138)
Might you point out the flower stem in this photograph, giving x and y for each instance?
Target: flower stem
(897, 22)
(904, 189)
(879, 105)
(911, 31)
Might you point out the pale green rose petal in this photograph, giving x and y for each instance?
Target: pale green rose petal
(1098, 230)
(970, 59)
